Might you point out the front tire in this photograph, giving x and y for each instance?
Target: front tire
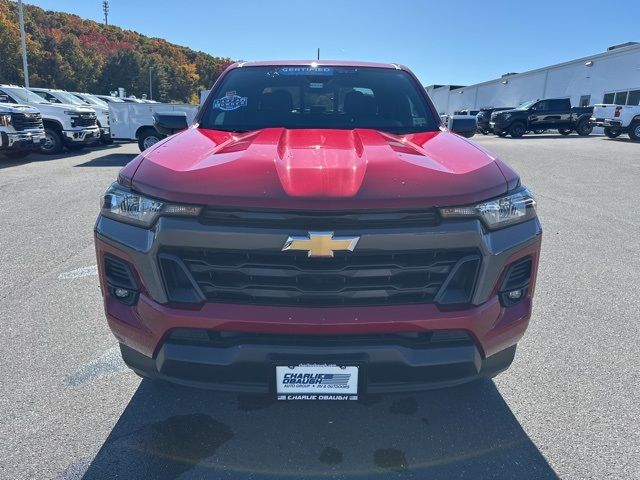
(565, 131)
(106, 140)
(52, 143)
(611, 132)
(501, 134)
(634, 131)
(517, 130)
(584, 128)
(147, 138)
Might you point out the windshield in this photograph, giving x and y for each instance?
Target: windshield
(252, 98)
(110, 99)
(23, 95)
(66, 97)
(94, 100)
(526, 105)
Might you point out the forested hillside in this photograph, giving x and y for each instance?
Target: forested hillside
(68, 52)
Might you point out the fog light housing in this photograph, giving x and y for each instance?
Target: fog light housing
(121, 292)
(514, 294)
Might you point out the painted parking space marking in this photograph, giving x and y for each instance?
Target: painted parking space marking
(109, 363)
(79, 272)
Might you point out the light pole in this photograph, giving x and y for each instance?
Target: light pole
(150, 85)
(23, 40)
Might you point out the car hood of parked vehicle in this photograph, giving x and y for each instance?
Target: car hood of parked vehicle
(65, 107)
(318, 169)
(13, 108)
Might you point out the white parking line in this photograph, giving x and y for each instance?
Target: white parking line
(79, 272)
(109, 363)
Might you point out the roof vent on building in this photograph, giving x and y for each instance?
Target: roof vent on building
(622, 45)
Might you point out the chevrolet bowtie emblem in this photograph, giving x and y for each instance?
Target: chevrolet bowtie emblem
(320, 244)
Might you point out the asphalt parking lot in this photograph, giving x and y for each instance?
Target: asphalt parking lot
(569, 407)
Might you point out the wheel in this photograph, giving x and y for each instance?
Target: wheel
(634, 131)
(501, 134)
(565, 131)
(106, 140)
(517, 129)
(584, 127)
(17, 155)
(52, 141)
(611, 132)
(147, 138)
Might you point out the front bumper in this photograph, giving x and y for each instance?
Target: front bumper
(82, 136)
(499, 126)
(22, 140)
(144, 329)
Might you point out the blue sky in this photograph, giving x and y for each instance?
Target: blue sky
(459, 42)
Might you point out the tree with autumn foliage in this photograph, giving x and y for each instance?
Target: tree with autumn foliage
(73, 54)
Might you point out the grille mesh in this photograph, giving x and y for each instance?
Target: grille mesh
(287, 278)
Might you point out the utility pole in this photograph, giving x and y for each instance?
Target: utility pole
(150, 84)
(318, 53)
(23, 40)
(105, 9)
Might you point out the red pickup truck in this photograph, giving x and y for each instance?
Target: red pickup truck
(316, 233)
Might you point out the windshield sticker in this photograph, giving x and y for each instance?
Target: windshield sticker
(306, 71)
(230, 101)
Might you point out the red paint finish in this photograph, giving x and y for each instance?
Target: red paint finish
(144, 325)
(319, 169)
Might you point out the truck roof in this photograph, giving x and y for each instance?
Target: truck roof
(319, 63)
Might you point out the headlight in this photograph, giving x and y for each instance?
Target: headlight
(71, 112)
(126, 206)
(5, 119)
(501, 212)
(506, 116)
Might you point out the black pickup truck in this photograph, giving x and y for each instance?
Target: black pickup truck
(543, 114)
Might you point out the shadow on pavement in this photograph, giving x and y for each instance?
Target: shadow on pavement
(110, 160)
(6, 162)
(465, 432)
(557, 136)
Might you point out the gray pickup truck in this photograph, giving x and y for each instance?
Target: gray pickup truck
(553, 113)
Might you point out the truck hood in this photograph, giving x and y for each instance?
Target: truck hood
(13, 108)
(62, 107)
(317, 169)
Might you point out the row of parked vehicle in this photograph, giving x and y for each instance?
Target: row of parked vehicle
(538, 116)
(49, 120)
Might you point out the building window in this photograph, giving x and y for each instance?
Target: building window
(585, 100)
(621, 98)
(608, 98)
(634, 97)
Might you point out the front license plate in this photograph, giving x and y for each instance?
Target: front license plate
(316, 382)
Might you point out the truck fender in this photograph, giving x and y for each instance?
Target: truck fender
(50, 123)
(143, 127)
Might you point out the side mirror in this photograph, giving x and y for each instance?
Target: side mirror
(170, 122)
(463, 125)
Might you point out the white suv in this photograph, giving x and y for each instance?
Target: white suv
(67, 125)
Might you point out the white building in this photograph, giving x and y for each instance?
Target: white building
(609, 77)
